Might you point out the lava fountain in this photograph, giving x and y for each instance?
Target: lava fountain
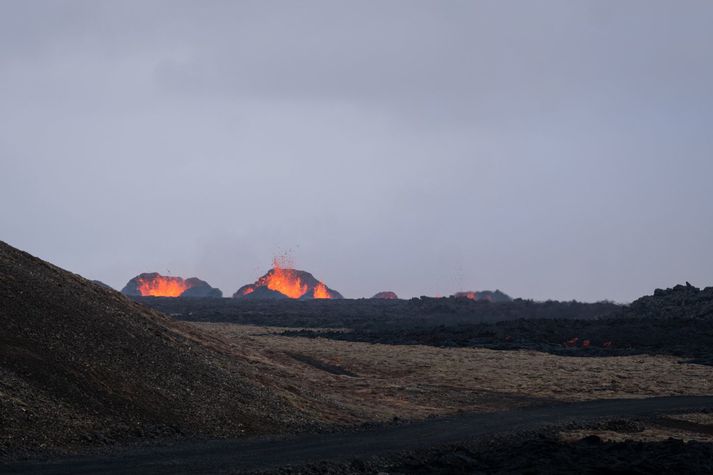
(162, 286)
(484, 295)
(156, 285)
(282, 281)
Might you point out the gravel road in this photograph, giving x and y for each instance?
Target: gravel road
(250, 454)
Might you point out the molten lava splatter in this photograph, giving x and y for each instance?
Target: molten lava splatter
(571, 343)
(321, 292)
(470, 295)
(161, 286)
(285, 281)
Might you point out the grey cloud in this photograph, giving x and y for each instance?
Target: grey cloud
(553, 149)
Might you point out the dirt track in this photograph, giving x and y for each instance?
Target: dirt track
(232, 456)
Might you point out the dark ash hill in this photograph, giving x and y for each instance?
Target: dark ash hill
(83, 365)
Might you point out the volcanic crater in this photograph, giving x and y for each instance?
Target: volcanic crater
(154, 284)
(282, 282)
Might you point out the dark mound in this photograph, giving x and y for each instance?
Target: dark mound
(386, 295)
(83, 365)
(200, 288)
(279, 283)
(681, 301)
(489, 295)
(157, 285)
(259, 293)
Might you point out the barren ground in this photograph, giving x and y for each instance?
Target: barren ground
(362, 382)
(512, 442)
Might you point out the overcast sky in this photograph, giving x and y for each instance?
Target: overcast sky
(551, 149)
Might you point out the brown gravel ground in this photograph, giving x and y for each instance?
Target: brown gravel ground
(358, 382)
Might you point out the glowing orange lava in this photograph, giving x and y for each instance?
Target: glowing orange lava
(320, 292)
(161, 286)
(283, 280)
(286, 281)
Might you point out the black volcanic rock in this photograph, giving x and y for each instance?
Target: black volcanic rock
(386, 295)
(307, 282)
(489, 295)
(194, 287)
(681, 301)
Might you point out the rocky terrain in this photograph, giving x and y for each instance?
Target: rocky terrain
(82, 365)
(676, 321)
(85, 368)
(424, 312)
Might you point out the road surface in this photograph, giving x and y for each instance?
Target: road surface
(249, 454)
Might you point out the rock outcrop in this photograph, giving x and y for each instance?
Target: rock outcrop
(681, 301)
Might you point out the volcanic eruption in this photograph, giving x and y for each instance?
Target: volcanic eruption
(283, 282)
(156, 285)
(489, 295)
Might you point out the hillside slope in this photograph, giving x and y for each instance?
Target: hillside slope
(82, 365)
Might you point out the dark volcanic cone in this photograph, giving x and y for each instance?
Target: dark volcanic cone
(83, 365)
(281, 283)
(386, 295)
(156, 285)
(250, 292)
(489, 295)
